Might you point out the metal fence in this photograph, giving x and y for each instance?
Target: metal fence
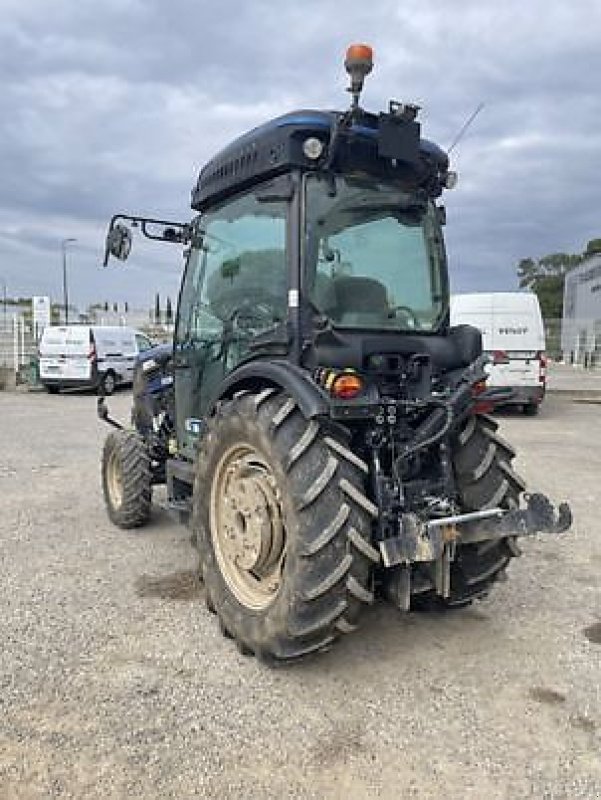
(18, 346)
(581, 342)
(553, 339)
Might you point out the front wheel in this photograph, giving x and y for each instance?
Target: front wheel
(283, 528)
(126, 479)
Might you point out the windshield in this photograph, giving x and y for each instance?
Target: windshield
(374, 255)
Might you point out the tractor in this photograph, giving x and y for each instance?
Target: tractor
(319, 425)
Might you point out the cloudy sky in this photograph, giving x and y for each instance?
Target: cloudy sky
(114, 105)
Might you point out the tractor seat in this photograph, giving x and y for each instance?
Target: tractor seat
(360, 301)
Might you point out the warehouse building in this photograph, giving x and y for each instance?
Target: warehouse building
(581, 324)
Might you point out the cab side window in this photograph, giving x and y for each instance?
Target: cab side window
(236, 279)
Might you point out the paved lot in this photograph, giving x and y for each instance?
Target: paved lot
(576, 380)
(116, 683)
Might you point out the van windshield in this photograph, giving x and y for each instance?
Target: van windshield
(375, 256)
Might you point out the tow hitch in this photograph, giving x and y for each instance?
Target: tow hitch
(538, 517)
(435, 541)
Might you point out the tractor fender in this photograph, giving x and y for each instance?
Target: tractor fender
(312, 400)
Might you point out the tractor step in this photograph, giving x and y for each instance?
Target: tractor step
(178, 510)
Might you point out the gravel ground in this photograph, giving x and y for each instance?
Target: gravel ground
(116, 682)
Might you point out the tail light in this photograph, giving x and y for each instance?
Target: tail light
(481, 406)
(542, 360)
(92, 352)
(500, 357)
(344, 384)
(347, 385)
(478, 387)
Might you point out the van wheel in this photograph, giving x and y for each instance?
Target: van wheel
(530, 409)
(52, 389)
(107, 383)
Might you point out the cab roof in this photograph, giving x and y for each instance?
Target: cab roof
(363, 145)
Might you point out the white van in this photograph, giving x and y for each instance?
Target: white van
(513, 337)
(86, 356)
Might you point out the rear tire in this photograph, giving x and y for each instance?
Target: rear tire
(531, 409)
(485, 479)
(52, 389)
(283, 528)
(126, 479)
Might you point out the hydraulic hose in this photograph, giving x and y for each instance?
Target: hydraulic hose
(438, 424)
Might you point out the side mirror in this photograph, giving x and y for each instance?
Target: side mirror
(118, 242)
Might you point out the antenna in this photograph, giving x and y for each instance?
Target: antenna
(464, 128)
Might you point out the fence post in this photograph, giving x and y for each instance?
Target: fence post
(15, 345)
(22, 341)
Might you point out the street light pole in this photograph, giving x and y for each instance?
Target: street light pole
(64, 244)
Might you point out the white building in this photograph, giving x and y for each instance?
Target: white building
(581, 324)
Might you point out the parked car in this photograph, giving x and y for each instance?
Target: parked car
(513, 337)
(89, 356)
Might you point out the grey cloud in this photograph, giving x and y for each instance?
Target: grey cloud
(115, 107)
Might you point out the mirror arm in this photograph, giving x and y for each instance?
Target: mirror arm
(174, 232)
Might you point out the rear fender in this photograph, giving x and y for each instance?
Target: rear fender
(296, 382)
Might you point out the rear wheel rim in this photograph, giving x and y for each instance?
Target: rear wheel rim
(114, 480)
(247, 526)
(109, 383)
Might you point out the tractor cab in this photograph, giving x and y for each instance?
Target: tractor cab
(317, 241)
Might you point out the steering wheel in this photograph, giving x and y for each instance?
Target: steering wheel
(248, 316)
(408, 312)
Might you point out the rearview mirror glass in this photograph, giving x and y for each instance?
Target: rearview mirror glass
(118, 242)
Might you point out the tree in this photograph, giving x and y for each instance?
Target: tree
(545, 277)
(593, 247)
(168, 312)
(157, 309)
(106, 305)
(115, 308)
(126, 306)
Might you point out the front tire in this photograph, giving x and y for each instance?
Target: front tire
(283, 528)
(126, 479)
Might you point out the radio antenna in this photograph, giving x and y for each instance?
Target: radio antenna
(464, 128)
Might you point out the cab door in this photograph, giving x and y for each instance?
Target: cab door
(234, 288)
